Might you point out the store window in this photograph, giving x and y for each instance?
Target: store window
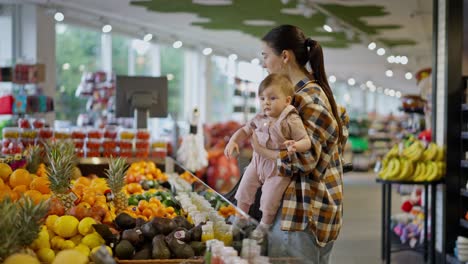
(120, 52)
(141, 52)
(77, 51)
(172, 66)
(6, 37)
(222, 91)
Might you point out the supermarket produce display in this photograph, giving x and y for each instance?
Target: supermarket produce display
(136, 212)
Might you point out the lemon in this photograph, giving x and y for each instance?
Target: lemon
(51, 233)
(92, 240)
(77, 239)
(70, 256)
(97, 248)
(46, 255)
(86, 226)
(5, 171)
(68, 244)
(42, 241)
(66, 226)
(83, 249)
(21, 258)
(56, 242)
(50, 221)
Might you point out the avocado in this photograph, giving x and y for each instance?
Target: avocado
(124, 250)
(182, 222)
(196, 233)
(181, 233)
(180, 249)
(160, 249)
(144, 253)
(148, 231)
(198, 247)
(134, 236)
(139, 222)
(123, 221)
(163, 225)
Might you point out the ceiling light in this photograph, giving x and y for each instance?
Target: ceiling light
(170, 76)
(391, 92)
(398, 59)
(372, 46)
(327, 28)
(389, 73)
(391, 59)
(255, 61)
(398, 94)
(369, 83)
(381, 51)
(372, 89)
(332, 78)
(351, 81)
(408, 76)
(106, 28)
(232, 57)
(207, 51)
(177, 44)
(148, 37)
(404, 60)
(59, 17)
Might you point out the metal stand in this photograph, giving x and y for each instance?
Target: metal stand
(429, 242)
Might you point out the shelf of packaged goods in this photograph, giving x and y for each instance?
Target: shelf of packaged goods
(102, 161)
(464, 223)
(451, 259)
(464, 192)
(464, 163)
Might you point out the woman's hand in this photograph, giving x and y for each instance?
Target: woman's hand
(267, 153)
(231, 150)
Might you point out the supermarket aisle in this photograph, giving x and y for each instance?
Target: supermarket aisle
(359, 241)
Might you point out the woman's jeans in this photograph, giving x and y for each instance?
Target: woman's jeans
(300, 244)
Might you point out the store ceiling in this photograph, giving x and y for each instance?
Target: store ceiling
(402, 27)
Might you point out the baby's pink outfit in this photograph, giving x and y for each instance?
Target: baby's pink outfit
(262, 171)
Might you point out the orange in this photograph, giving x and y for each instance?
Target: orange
(7, 193)
(20, 189)
(36, 196)
(2, 184)
(40, 184)
(20, 177)
(5, 171)
(78, 188)
(147, 212)
(83, 180)
(154, 200)
(142, 205)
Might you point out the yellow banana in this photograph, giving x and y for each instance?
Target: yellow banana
(431, 173)
(422, 174)
(395, 169)
(431, 152)
(417, 171)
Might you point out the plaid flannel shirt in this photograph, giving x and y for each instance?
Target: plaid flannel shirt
(314, 197)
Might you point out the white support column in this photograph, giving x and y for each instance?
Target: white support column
(131, 61)
(106, 52)
(155, 54)
(34, 41)
(195, 83)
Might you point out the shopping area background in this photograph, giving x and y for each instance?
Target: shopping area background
(59, 62)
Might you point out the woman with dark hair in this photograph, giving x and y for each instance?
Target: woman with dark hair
(311, 214)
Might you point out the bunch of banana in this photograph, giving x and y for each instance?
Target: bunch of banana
(429, 171)
(414, 152)
(391, 170)
(432, 152)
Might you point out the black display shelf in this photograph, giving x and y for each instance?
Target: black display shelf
(464, 223)
(410, 182)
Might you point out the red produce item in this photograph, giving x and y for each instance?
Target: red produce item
(125, 144)
(142, 134)
(45, 133)
(38, 123)
(24, 123)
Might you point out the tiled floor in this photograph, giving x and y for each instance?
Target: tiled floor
(359, 240)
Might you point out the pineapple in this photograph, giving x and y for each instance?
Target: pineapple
(33, 158)
(116, 181)
(20, 224)
(62, 161)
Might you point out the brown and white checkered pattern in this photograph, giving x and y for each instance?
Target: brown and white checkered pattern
(314, 198)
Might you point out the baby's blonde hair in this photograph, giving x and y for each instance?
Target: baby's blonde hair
(280, 80)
